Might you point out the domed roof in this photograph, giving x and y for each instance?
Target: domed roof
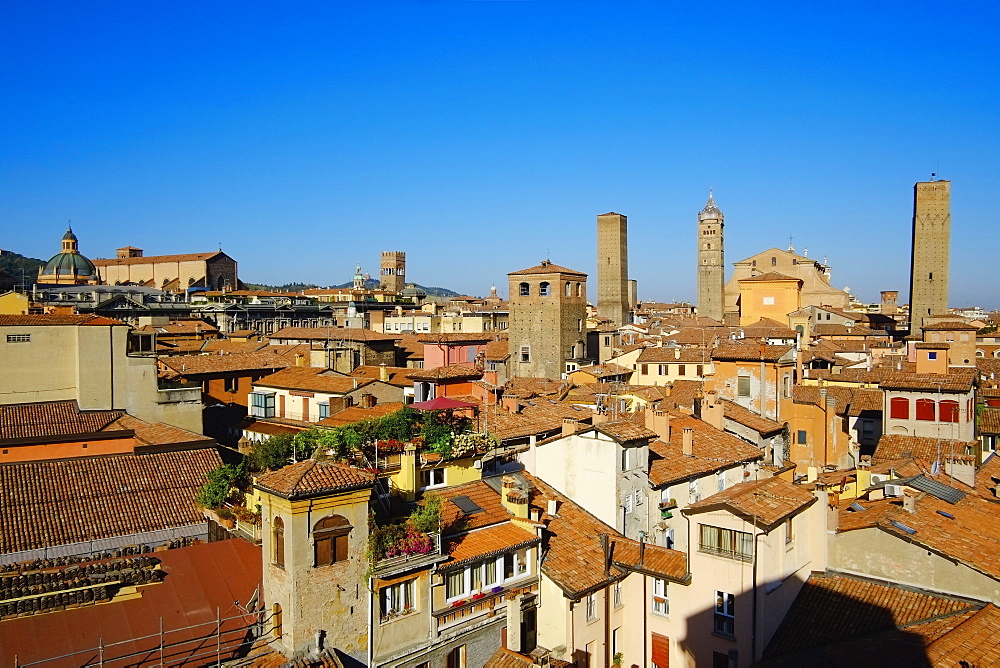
(711, 210)
(69, 264)
(69, 236)
(411, 290)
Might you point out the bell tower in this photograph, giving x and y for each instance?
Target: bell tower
(711, 262)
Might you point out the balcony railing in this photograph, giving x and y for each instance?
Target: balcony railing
(387, 566)
(485, 603)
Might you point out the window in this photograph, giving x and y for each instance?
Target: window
(278, 540)
(774, 261)
(616, 640)
(768, 301)
(743, 386)
(802, 437)
(524, 289)
(645, 369)
(638, 497)
(789, 536)
(948, 411)
(720, 481)
(701, 370)
(579, 324)
(19, 338)
(786, 386)
(617, 591)
(231, 384)
(662, 369)
(925, 409)
(262, 404)
(626, 459)
(726, 543)
(569, 289)
(725, 618)
(431, 478)
(591, 607)
(579, 289)
(931, 355)
(525, 354)
(330, 537)
(681, 370)
(661, 604)
(628, 504)
(324, 409)
(396, 600)
(544, 289)
(456, 657)
(899, 408)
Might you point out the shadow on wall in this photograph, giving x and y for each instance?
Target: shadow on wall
(822, 628)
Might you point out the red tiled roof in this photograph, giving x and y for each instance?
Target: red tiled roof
(951, 325)
(901, 446)
(650, 559)
(52, 503)
(975, 642)
(454, 337)
(55, 319)
(152, 434)
(313, 478)
(310, 379)
(398, 375)
(745, 417)
(956, 380)
(677, 355)
(485, 542)
(546, 268)
(149, 259)
(749, 352)
(767, 501)
(331, 334)
(770, 276)
(191, 365)
(359, 413)
(625, 431)
(57, 418)
(450, 372)
(714, 450)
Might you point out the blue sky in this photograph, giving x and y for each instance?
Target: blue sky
(483, 137)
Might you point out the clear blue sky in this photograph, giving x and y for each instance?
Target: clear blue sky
(482, 137)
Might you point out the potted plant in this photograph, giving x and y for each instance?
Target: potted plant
(226, 517)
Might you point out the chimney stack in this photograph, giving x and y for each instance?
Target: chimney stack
(687, 443)
(383, 373)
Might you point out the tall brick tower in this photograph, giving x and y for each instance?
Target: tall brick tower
(393, 274)
(929, 258)
(548, 311)
(711, 263)
(612, 268)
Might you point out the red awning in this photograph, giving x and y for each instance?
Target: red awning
(441, 404)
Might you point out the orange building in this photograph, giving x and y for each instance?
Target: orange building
(771, 295)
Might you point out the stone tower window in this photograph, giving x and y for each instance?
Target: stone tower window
(524, 289)
(579, 289)
(330, 540)
(525, 354)
(569, 289)
(278, 538)
(544, 289)
(774, 262)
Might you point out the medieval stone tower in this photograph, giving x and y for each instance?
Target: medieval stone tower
(929, 258)
(548, 311)
(711, 263)
(612, 268)
(393, 275)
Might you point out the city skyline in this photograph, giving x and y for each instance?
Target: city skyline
(481, 138)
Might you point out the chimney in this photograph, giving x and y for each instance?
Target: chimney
(687, 443)
(553, 508)
(569, 426)
(383, 373)
(909, 502)
(521, 616)
(368, 400)
(510, 403)
(513, 498)
(659, 421)
(677, 353)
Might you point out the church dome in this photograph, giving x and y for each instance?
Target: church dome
(68, 263)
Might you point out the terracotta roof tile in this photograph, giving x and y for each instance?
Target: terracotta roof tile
(989, 420)
(976, 642)
(624, 431)
(150, 434)
(57, 418)
(398, 375)
(546, 268)
(331, 334)
(605, 370)
(485, 542)
(359, 413)
(677, 355)
(450, 372)
(454, 519)
(950, 325)
(956, 380)
(190, 365)
(655, 560)
(149, 259)
(310, 379)
(454, 337)
(313, 478)
(747, 418)
(749, 352)
(901, 446)
(55, 319)
(66, 501)
(714, 450)
(767, 501)
(831, 608)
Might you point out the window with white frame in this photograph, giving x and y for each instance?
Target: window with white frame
(431, 478)
(324, 409)
(626, 459)
(487, 575)
(19, 338)
(591, 607)
(262, 404)
(661, 604)
(617, 592)
(724, 622)
(638, 497)
(397, 600)
(628, 504)
(743, 386)
(525, 354)
(720, 481)
(726, 543)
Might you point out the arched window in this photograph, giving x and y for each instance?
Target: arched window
(524, 289)
(330, 540)
(899, 408)
(569, 289)
(278, 538)
(579, 289)
(925, 409)
(949, 411)
(774, 261)
(543, 289)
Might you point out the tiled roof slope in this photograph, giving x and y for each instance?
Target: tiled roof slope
(664, 354)
(956, 380)
(148, 259)
(749, 352)
(50, 503)
(313, 478)
(748, 418)
(310, 379)
(398, 375)
(485, 542)
(180, 365)
(989, 420)
(450, 372)
(625, 431)
(900, 446)
(55, 319)
(331, 334)
(480, 493)
(546, 268)
(454, 337)
(713, 450)
(650, 559)
(359, 413)
(975, 642)
(767, 501)
(150, 434)
(831, 608)
(56, 418)
(968, 534)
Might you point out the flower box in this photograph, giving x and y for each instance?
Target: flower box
(497, 590)
(476, 597)
(458, 604)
